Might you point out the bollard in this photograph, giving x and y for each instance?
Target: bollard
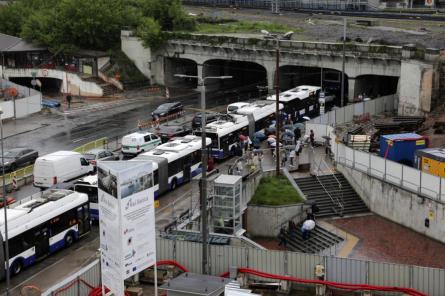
(14, 182)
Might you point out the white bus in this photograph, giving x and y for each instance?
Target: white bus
(88, 185)
(175, 162)
(245, 121)
(300, 101)
(42, 224)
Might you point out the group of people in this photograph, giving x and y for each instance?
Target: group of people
(307, 227)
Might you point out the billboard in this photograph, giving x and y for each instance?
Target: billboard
(126, 220)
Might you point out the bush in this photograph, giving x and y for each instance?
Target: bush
(275, 191)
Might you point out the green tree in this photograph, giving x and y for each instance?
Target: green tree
(151, 33)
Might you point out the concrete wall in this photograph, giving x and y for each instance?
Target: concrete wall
(398, 205)
(416, 85)
(266, 221)
(141, 56)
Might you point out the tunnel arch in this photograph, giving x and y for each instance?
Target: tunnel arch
(173, 65)
(376, 85)
(326, 78)
(247, 76)
(50, 86)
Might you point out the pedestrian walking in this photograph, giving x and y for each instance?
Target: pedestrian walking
(68, 100)
(292, 157)
(306, 229)
(282, 237)
(283, 159)
(312, 138)
(297, 134)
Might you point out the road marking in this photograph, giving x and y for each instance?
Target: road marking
(36, 274)
(78, 140)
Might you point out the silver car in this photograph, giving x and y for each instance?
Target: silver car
(96, 154)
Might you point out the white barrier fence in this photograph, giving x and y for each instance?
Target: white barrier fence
(406, 177)
(30, 101)
(344, 270)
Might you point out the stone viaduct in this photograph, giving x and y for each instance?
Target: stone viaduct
(413, 72)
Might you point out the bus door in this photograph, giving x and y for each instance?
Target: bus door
(40, 238)
(187, 165)
(83, 219)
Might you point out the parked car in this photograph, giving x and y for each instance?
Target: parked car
(96, 154)
(168, 132)
(18, 157)
(167, 109)
(210, 117)
(50, 103)
(59, 167)
(9, 200)
(138, 142)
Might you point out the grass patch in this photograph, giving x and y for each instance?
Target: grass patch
(275, 191)
(243, 27)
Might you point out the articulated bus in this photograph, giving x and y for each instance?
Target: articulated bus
(42, 224)
(300, 101)
(175, 162)
(247, 120)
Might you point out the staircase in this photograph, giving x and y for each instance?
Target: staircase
(341, 200)
(107, 88)
(319, 240)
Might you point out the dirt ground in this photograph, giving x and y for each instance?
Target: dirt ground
(329, 28)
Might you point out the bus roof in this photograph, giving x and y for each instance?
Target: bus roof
(224, 127)
(259, 109)
(300, 92)
(177, 148)
(39, 208)
(87, 180)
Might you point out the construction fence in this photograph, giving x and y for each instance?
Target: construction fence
(300, 265)
(406, 177)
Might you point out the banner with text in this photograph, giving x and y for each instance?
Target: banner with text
(126, 220)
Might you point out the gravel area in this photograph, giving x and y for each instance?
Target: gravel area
(319, 27)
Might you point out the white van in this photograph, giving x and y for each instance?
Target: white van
(138, 142)
(59, 167)
(231, 108)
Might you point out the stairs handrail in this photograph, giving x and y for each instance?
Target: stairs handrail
(336, 201)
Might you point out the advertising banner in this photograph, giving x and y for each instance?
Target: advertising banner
(126, 220)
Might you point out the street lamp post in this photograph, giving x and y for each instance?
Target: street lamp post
(5, 207)
(203, 187)
(277, 38)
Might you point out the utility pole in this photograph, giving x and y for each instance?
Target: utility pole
(342, 96)
(204, 158)
(5, 208)
(277, 105)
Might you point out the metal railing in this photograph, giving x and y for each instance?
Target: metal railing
(100, 143)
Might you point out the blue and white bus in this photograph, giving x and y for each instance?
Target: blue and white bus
(42, 224)
(88, 185)
(175, 162)
(300, 101)
(224, 133)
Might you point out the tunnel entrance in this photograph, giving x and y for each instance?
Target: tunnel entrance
(375, 85)
(50, 86)
(247, 78)
(174, 66)
(328, 79)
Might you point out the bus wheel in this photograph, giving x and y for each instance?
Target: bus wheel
(174, 184)
(69, 240)
(16, 267)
